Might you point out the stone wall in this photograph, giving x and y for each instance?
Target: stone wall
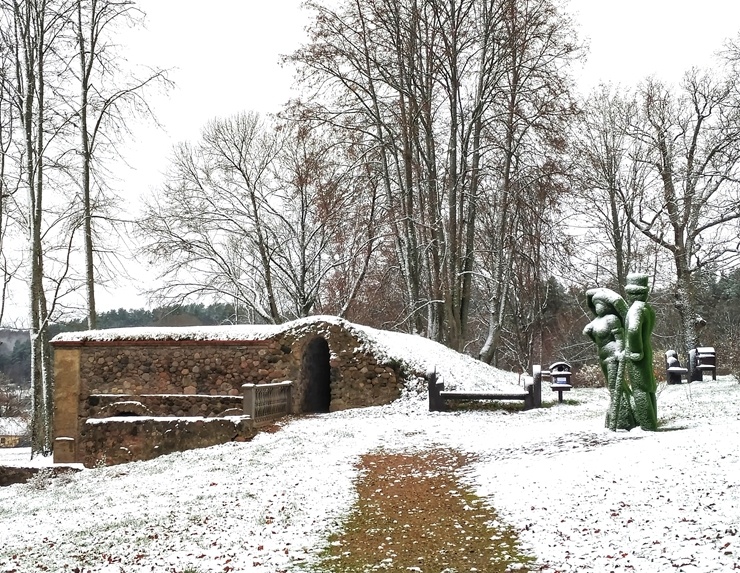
(10, 475)
(150, 367)
(119, 440)
(99, 377)
(10, 441)
(219, 368)
(109, 405)
(357, 377)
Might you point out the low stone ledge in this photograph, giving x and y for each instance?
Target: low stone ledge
(109, 441)
(180, 405)
(10, 475)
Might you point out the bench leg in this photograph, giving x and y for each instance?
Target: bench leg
(536, 388)
(436, 403)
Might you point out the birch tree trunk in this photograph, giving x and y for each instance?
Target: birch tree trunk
(30, 26)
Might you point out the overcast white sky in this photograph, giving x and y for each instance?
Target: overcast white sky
(632, 39)
(225, 59)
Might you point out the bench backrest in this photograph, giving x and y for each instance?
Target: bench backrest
(706, 356)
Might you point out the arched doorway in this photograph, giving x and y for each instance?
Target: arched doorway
(316, 374)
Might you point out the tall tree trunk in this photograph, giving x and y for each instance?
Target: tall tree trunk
(30, 25)
(686, 305)
(85, 151)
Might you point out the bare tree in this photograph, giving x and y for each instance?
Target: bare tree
(358, 243)
(608, 170)
(109, 97)
(41, 123)
(32, 33)
(427, 84)
(207, 223)
(691, 204)
(367, 90)
(8, 179)
(321, 218)
(253, 213)
(534, 103)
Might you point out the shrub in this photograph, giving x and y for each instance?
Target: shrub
(589, 376)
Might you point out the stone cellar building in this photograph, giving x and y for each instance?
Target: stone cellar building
(135, 393)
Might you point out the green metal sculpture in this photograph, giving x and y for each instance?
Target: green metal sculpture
(622, 337)
(638, 328)
(607, 332)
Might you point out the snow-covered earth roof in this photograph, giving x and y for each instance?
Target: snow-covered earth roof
(418, 354)
(221, 332)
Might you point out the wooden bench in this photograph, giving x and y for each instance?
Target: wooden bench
(673, 368)
(438, 396)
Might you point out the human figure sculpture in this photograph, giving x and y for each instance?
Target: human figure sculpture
(607, 332)
(623, 338)
(639, 322)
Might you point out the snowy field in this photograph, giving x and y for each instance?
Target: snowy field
(584, 498)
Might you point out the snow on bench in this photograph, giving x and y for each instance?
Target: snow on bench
(673, 367)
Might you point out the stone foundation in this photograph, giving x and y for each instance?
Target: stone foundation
(10, 475)
(118, 440)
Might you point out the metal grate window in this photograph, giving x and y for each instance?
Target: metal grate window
(266, 402)
(271, 402)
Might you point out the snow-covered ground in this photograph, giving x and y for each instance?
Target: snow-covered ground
(583, 498)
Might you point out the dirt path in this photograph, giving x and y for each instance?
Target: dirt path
(413, 515)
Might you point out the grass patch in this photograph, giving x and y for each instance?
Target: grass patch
(667, 424)
(486, 405)
(414, 515)
(501, 405)
(565, 402)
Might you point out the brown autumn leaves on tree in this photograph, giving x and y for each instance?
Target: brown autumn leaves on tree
(437, 190)
(458, 103)
(452, 143)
